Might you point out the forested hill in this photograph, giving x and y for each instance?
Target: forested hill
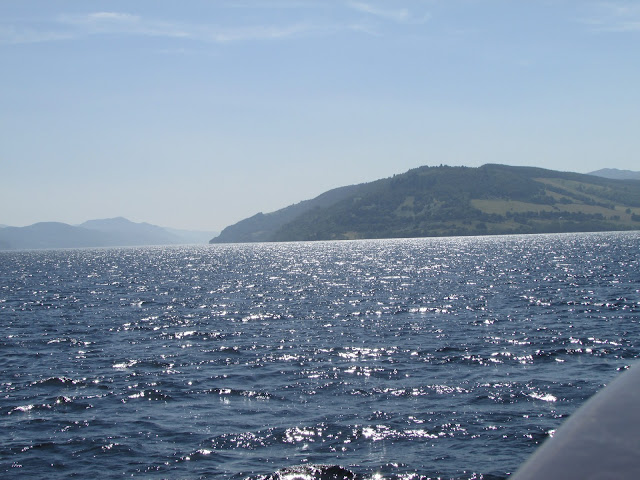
(444, 201)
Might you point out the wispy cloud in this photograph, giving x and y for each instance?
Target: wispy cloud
(68, 27)
(225, 35)
(335, 18)
(614, 17)
(113, 17)
(271, 4)
(402, 15)
(12, 35)
(124, 24)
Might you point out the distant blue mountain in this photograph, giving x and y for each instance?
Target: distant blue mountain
(50, 235)
(123, 232)
(616, 174)
(193, 236)
(94, 233)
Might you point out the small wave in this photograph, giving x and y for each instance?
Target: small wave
(124, 365)
(150, 395)
(246, 440)
(58, 402)
(57, 382)
(22, 409)
(311, 472)
(238, 393)
(545, 397)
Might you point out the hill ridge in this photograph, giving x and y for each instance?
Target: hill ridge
(616, 174)
(444, 201)
(110, 232)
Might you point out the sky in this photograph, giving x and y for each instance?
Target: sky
(201, 113)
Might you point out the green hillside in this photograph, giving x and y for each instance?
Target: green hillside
(444, 201)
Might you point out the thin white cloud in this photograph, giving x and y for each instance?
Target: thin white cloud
(12, 35)
(76, 26)
(614, 17)
(366, 28)
(401, 15)
(113, 16)
(281, 4)
(226, 35)
(66, 27)
(121, 23)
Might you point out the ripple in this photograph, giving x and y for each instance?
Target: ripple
(399, 359)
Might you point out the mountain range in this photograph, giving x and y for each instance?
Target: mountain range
(616, 174)
(447, 201)
(95, 233)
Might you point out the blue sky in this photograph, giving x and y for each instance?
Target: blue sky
(198, 114)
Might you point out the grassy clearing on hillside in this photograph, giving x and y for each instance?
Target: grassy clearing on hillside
(617, 214)
(501, 207)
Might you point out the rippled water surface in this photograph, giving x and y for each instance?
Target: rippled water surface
(418, 358)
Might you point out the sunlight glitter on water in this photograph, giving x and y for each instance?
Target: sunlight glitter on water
(405, 359)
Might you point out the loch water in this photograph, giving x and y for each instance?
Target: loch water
(395, 359)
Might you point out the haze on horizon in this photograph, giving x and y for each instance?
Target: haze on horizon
(197, 115)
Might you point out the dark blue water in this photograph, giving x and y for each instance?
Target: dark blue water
(398, 359)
